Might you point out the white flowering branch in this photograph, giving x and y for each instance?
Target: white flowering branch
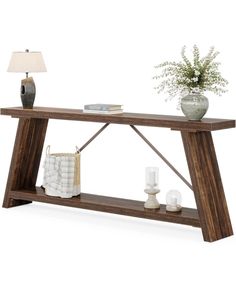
(202, 74)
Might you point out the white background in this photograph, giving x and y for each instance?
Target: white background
(104, 51)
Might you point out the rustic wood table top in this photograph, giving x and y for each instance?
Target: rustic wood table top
(168, 121)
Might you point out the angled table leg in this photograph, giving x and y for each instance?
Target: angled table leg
(25, 158)
(207, 185)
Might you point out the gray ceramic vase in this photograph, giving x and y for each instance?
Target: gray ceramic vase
(27, 93)
(194, 106)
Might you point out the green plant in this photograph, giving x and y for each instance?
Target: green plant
(200, 74)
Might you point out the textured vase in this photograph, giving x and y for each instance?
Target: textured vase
(194, 106)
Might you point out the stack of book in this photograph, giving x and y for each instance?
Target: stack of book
(103, 108)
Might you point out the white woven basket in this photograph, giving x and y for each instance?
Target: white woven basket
(61, 174)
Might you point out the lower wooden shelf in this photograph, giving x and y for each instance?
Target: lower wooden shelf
(187, 216)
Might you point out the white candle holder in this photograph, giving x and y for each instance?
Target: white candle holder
(173, 201)
(152, 202)
(152, 183)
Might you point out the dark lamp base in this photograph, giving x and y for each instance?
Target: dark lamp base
(27, 92)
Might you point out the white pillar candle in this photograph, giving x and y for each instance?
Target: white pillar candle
(173, 200)
(151, 178)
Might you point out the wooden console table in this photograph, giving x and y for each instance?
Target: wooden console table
(211, 215)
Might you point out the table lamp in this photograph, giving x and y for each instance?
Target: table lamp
(27, 62)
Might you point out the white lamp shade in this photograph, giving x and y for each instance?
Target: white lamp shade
(26, 62)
